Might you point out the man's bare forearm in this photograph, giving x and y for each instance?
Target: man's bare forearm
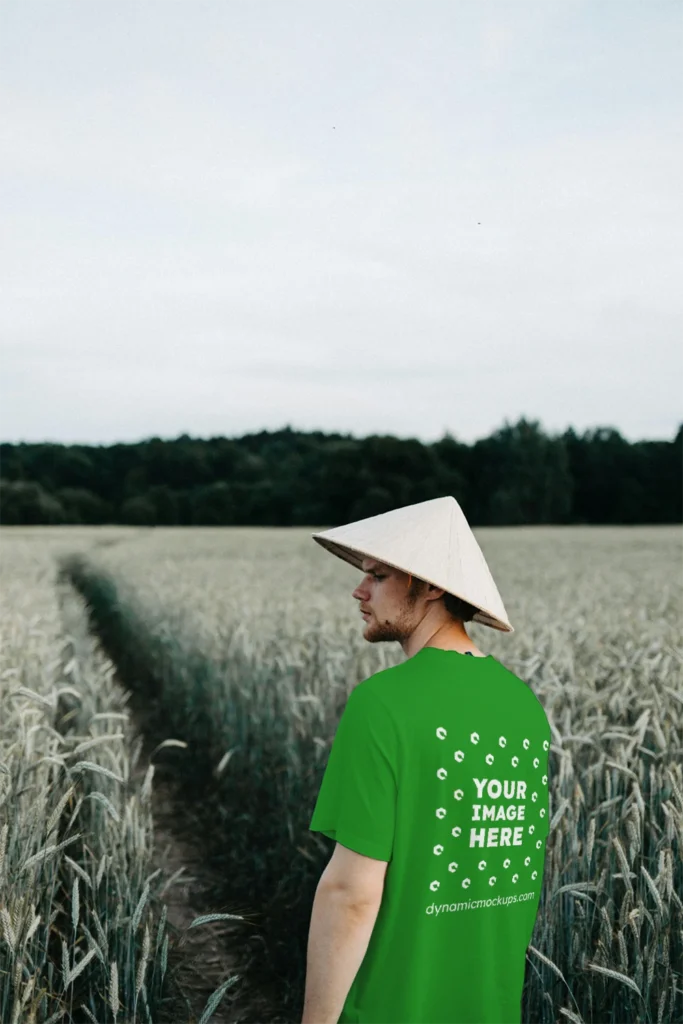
(337, 942)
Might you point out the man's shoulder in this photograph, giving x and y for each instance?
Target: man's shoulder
(381, 683)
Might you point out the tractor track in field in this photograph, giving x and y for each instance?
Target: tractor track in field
(197, 960)
(199, 957)
(202, 958)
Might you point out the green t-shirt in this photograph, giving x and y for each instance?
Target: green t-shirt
(439, 766)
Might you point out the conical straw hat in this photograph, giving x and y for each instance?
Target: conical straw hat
(431, 540)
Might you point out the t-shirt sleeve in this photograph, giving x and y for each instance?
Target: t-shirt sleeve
(356, 804)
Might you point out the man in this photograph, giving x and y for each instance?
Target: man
(435, 792)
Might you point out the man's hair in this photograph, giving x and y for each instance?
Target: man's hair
(458, 609)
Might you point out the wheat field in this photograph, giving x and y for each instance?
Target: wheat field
(245, 642)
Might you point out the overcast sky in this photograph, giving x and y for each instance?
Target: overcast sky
(379, 217)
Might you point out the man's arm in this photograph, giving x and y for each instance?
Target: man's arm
(338, 938)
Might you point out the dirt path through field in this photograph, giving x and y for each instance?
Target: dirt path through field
(201, 956)
(200, 959)
(197, 955)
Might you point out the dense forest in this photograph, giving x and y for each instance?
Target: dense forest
(517, 476)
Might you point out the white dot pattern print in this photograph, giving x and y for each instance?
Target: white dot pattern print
(499, 808)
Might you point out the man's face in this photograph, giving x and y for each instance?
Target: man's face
(394, 610)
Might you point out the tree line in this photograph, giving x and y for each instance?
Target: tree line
(519, 475)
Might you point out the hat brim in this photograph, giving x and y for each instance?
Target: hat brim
(354, 556)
